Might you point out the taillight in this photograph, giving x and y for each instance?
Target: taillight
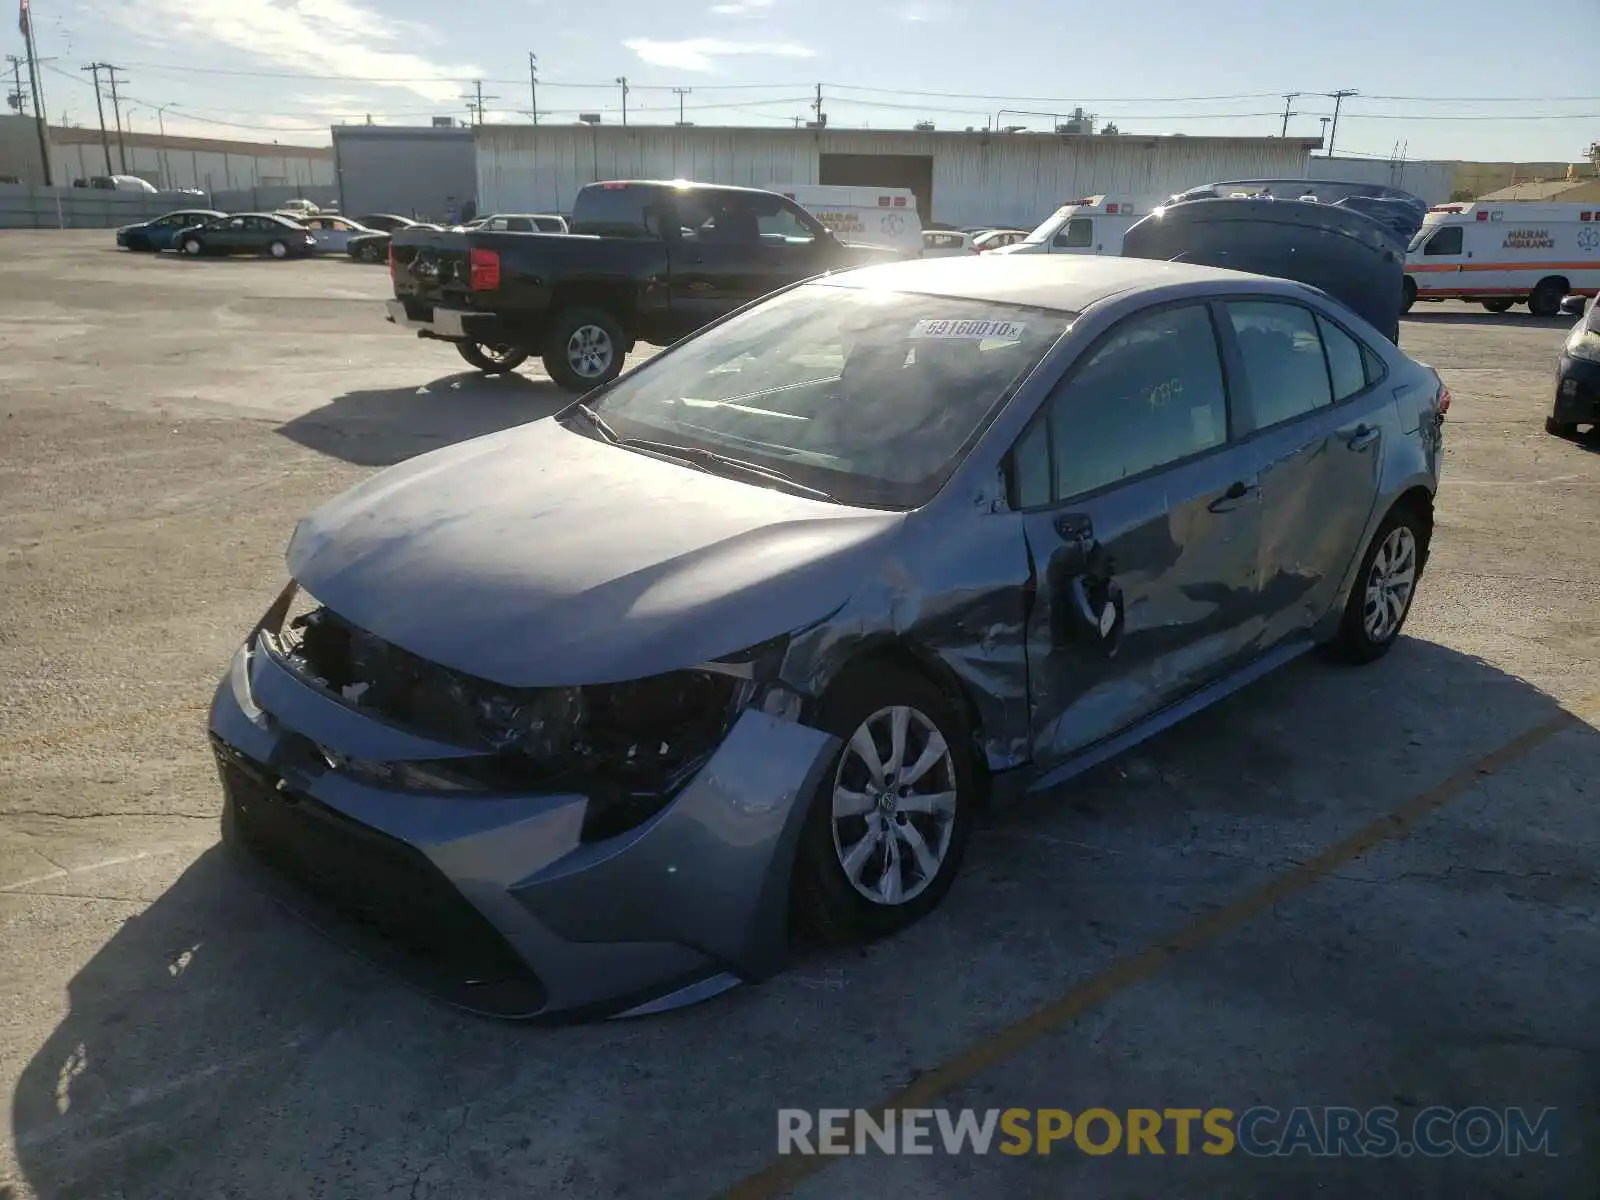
(485, 269)
(1444, 399)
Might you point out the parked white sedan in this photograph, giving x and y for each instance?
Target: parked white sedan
(942, 243)
(333, 234)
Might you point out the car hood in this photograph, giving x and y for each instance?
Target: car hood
(541, 557)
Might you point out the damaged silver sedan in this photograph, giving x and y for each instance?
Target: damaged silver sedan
(589, 716)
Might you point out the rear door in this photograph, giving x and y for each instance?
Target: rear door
(1314, 401)
(1143, 523)
(731, 247)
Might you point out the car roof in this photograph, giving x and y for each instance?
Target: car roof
(1066, 282)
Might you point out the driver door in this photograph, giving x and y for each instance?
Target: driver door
(1143, 523)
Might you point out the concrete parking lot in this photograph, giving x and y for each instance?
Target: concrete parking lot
(1341, 887)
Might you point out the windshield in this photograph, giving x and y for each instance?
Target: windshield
(1047, 230)
(1419, 237)
(871, 397)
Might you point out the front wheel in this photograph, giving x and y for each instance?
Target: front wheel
(1381, 598)
(585, 349)
(1408, 294)
(886, 829)
(493, 360)
(193, 247)
(1547, 297)
(1498, 306)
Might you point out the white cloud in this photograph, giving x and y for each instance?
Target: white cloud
(701, 54)
(741, 8)
(917, 10)
(321, 37)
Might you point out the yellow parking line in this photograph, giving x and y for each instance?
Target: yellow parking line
(784, 1174)
(73, 732)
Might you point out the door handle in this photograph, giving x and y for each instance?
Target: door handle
(1363, 437)
(1229, 500)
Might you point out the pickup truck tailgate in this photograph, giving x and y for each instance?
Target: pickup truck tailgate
(430, 267)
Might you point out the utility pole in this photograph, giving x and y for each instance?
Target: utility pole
(533, 84)
(1288, 98)
(680, 93)
(816, 106)
(1338, 98)
(622, 82)
(116, 112)
(16, 85)
(100, 108)
(475, 102)
(25, 20)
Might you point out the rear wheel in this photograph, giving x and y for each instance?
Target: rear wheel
(585, 349)
(1498, 306)
(1381, 598)
(886, 829)
(1545, 301)
(1408, 294)
(278, 250)
(493, 360)
(193, 247)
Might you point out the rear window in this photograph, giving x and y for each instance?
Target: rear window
(617, 210)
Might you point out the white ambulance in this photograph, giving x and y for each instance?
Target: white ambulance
(865, 216)
(1503, 254)
(1092, 225)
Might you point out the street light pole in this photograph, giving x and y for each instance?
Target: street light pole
(622, 82)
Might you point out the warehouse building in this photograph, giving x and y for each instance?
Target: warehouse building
(959, 178)
(172, 163)
(422, 171)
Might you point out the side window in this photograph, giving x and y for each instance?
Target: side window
(1283, 360)
(519, 225)
(1446, 241)
(1374, 365)
(1150, 394)
(784, 227)
(497, 224)
(1078, 234)
(1346, 363)
(1031, 484)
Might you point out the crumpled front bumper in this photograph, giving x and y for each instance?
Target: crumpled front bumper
(491, 900)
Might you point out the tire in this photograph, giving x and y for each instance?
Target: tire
(1560, 429)
(829, 906)
(1364, 637)
(1546, 299)
(1408, 294)
(1498, 306)
(584, 349)
(193, 247)
(278, 250)
(491, 360)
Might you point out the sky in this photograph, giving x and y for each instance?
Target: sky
(1471, 80)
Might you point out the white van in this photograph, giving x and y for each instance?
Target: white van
(1093, 225)
(1503, 254)
(869, 216)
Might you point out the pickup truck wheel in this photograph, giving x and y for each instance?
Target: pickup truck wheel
(495, 360)
(585, 350)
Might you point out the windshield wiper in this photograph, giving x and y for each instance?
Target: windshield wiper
(696, 457)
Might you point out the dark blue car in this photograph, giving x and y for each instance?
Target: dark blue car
(162, 232)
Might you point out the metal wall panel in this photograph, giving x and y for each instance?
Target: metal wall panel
(1015, 179)
(1430, 181)
(421, 172)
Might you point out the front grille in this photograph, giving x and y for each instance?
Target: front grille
(388, 889)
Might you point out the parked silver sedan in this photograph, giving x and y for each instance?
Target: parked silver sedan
(589, 715)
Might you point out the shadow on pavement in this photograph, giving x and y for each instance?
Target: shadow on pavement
(1514, 317)
(216, 1046)
(383, 426)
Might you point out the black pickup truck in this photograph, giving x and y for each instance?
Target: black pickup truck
(644, 261)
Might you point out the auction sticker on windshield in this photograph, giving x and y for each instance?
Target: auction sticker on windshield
(978, 331)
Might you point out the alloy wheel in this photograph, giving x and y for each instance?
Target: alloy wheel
(1390, 583)
(589, 351)
(894, 805)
